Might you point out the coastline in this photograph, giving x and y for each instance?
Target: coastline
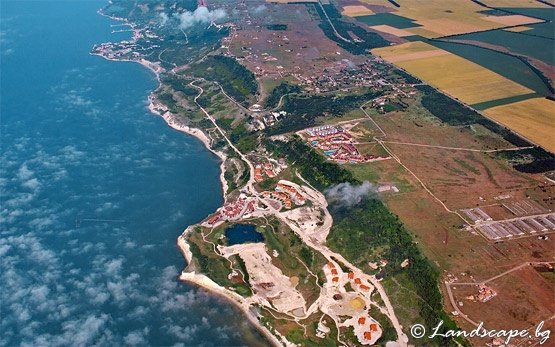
(195, 132)
(200, 280)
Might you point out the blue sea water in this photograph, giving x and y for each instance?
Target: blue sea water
(78, 146)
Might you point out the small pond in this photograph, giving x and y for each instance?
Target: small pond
(242, 233)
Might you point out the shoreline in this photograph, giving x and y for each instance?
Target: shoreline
(199, 280)
(195, 132)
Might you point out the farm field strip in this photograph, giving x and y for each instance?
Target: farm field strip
(461, 78)
(515, 3)
(515, 19)
(532, 118)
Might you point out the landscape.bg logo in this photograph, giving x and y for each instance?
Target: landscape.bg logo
(418, 331)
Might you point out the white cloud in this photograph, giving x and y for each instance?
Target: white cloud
(200, 16)
(32, 184)
(71, 153)
(163, 17)
(97, 296)
(113, 267)
(136, 337)
(183, 333)
(24, 173)
(348, 194)
(259, 9)
(84, 331)
(41, 223)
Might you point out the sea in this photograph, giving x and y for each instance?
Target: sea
(94, 191)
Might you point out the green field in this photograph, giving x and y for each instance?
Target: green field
(532, 46)
(543, 13)
(483, 105)
(541, 29)
(388, 19)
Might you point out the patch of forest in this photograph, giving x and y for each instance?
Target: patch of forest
(237, 81)
(366, 40)
(283, 88)
(303, 110)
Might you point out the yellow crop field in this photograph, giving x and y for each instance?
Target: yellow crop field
(437, 18)
(460, 78)
(417, 55)
(532, 118)
(452, 26)
(463, 79)
(423, 32)
(405, 48)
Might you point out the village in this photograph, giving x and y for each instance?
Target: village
(345, 75)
